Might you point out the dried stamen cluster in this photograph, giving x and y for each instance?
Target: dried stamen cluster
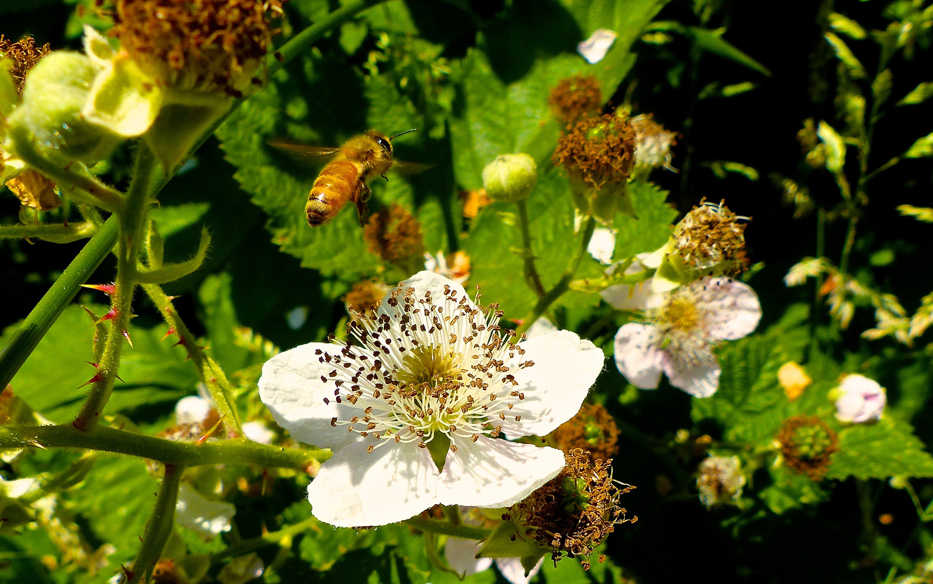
(592, 429)
(807, 444)
(202, 44)
(577, 510)
(575, 98)
(23, 55)
(394, 234)
(711, 238)
(424, 367)
(598, 150)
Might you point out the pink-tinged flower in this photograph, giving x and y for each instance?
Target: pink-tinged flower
(461, 556)
(429, 374)
(682, 332)
(859, 399)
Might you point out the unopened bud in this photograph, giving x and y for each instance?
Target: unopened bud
(510, 177)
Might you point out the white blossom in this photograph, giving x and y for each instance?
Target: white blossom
(601, 245)
(682, 332)
(461, 556)
(595, 48)
(258, 432)
(720, 480)
(859, 399)
(197, 512)
(429, 372)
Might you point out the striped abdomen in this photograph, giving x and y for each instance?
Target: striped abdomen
(338, 183)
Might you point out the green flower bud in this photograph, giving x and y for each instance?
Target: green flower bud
(54, 94)
(510, 177)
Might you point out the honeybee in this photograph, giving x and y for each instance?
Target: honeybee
(345, 177)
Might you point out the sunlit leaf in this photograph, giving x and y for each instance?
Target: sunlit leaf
(846, 56)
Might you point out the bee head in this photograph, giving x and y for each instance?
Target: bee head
(384, 142)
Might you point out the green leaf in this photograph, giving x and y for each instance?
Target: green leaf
(790, 490)
(922, 148)
(712, 42)
(845, 25)
(919, 94)
(881, 450)
(846, 56)
(154, 373)
(835, 147)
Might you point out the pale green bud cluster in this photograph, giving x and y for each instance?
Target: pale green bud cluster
(510, 177)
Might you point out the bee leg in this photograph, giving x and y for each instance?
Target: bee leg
(362, 197)
(385, 178)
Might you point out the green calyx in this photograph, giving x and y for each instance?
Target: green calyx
(510, 177)
(438, 447)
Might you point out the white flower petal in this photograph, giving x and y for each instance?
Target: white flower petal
(653, 259)
(635, 297)
(425, 281)
(698, 375)
(292, 389)
(602, 244)
(565, 366)
(860, 399)
(637, 355)
(197, 512)
(356, 488)
(732, 308)
(192, 409)
(595, 48)
(258, 432)
(492, 472)
(513, 571)
(542, 326)
(461, 556)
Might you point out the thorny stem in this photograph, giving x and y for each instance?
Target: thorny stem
(209, 373)
(54, 232)
(160, 449)
(563, 284)
(159, 527)
(528, 255)
(132, 222)
(445, 528)
(46, 311)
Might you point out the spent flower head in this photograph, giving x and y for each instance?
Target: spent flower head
(208, 45)
(708, 241)
(22, 56)
(575, 511)
(681, 332)
(416, 407)
(575, 97)
(394, 234)
(859, 399)
(592, 429)
(598, 150)
(807, 444)
(720, 480)
(365, 296)
(652, 143)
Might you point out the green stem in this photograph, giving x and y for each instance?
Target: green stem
(162, 450)
(298, 44)
(267, 539)
(37, 323)
(563, 284)
(52, 232)
(445, 528)
(209, 373)
(97, 193)
(159, 527)
(132, 228)
(528, 254)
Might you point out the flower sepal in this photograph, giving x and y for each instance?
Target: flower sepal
(506, 541)
(180, 124)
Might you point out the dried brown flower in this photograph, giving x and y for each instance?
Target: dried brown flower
(592, 429)
(598, 150)
(807, 444)
(394, 234)
(34, 190)
(365, 296)
(710, 240)
(575, 511)
(211, 45)
(24, 54)
(575, 97)
(653, 142)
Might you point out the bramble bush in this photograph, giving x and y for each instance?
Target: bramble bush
(640, 298)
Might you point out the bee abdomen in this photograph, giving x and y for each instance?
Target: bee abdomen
(331, 191)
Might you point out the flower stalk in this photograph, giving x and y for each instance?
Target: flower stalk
(55, 233)
(448, 528)
(528, 256)
(160, 449)
(159, 527)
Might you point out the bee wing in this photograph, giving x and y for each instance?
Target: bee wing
(304, 151)
(405, 167)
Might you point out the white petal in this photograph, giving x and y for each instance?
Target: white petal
(192, 409)
(732, 308)
(542, 326)
(637, 355)
(565, 367)
(422, 282)
(258, 432)
(492, 472)
(638, 296)
(601, 245)
(698, 376)
(653, 259)
(513, 571)
(356, 488)
(595, 48)
(292, 389)
(461, 556)
(196, 512)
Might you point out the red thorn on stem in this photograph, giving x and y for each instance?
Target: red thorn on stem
(111, 314)
(126, 335)
(107, 289)
(97, 377)
(90, 313)
(168, 333)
